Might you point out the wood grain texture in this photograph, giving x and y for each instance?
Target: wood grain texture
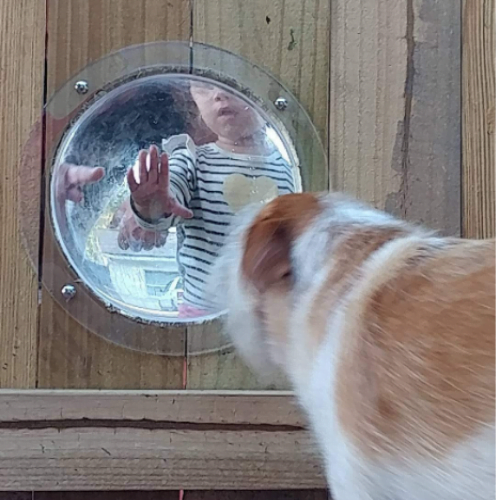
(289, 38)
(242, 408)
(134, 440)
(131, 440)
(105, 495)
(168, 495)
(72, 357)
(21, 99)
(257, 495)
(82, 31)
(367, 102)
(116, 458)
(431, 148)
(225, 370)
(478, 125)
(395, 107)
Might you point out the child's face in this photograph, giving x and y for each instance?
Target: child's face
(225, 114)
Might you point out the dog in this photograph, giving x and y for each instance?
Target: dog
(387, 334)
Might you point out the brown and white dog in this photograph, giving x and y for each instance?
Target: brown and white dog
(387, 333)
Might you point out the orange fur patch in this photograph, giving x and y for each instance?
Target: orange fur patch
(353, 248)
(417, 365)
(266, 258)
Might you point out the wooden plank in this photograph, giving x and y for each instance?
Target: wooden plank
(225, 370)
(367, 103)
(395, 107)
(74, 358)
(22, 54)
(105, 495)
(82, 31)
(243, 408)
(117, 458)
(167, 495)
(289, 38)
(430, 153)
(478, 126)
(116, 440)
(257, 495)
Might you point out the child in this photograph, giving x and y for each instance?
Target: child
(199, 188)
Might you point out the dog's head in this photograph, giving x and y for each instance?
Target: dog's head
(253, 277)
(272, 256)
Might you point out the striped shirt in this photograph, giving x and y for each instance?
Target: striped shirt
(214, 184)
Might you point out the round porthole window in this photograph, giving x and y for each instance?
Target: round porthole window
(163, 145)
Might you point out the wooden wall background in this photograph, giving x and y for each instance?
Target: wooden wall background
(402, 92)
(478, 119)
(168, 495)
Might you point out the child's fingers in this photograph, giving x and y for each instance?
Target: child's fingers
(95, 174)
(153, 165)
(132, 183)
(160, 240)
(143, 169)
(148, 240)
(117, 217)
(164, 177)
(82, 175)
(123, 241)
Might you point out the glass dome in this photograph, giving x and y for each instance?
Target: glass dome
(152, 173)
(149, 153)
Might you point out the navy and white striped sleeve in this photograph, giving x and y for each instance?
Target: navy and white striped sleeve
(182, 176)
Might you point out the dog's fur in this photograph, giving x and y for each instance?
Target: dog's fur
(387, 333)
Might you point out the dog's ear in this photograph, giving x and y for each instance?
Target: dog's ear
(269, 241)
(267, 255)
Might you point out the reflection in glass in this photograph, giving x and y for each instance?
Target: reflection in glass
(181, 155)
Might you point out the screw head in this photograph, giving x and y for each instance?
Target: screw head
(68, 292)
(281, 103)
(82, 87)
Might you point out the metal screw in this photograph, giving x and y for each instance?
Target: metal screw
(82, 87)
(68, 292)
(281, 103)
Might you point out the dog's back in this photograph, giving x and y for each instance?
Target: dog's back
(388, 335)
(413, 397)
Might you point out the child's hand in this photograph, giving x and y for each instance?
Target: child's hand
(151, 195)
(72, 178)
(131, 235)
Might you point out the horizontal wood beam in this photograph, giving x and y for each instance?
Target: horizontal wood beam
(196, 407)
(115, 440)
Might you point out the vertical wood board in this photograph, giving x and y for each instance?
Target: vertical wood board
(80, 32)
(290, 39)
(22, 54)
(431, 157)
(478, 115)
(367, 96)
(395, 107)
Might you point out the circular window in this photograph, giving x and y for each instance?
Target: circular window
(159, 147)
(169, 160)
